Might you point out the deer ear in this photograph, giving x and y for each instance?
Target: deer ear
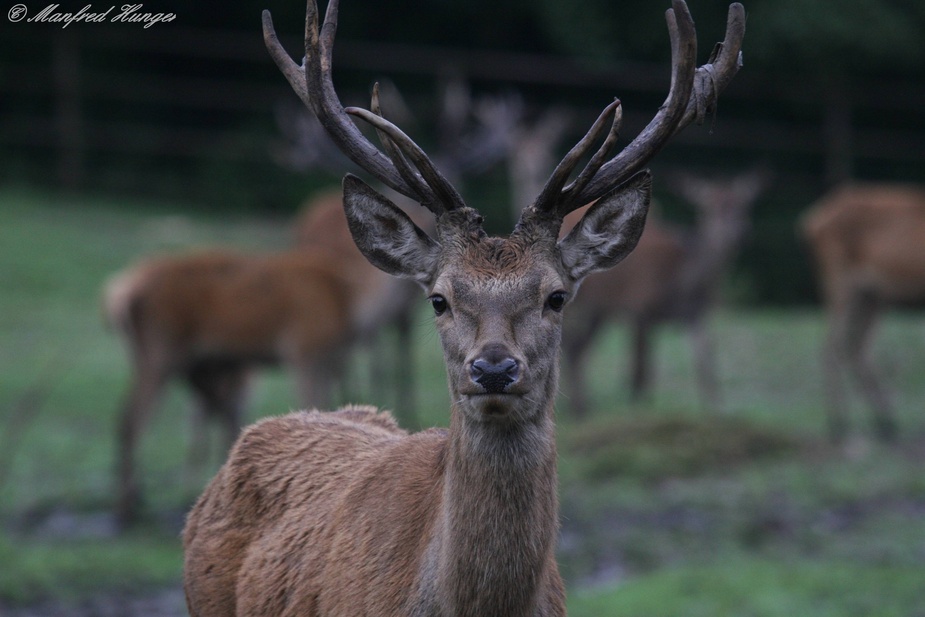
(609, 230)
(386, 236)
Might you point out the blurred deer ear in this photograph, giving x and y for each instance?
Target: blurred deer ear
(609, 230)
(386, 236)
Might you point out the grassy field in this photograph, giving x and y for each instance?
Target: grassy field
(667, 509)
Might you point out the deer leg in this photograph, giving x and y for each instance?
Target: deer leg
(641, 380)
(315, 376)
(705, 365)
(859, 329)
(351, 378)
(220, 391)
(143, 395)
(236, 389)
(378, 373)
(833, 362)
(200, 381)
(576, 346)
(404, 371)
(198, 449)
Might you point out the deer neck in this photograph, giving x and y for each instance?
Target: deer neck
(499, 520)
(709, 256)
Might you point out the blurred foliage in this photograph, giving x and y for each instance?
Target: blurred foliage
(803, 36)
(74, 568)
(873, 36)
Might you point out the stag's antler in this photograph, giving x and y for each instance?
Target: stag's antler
(692, 95)
(312, 82)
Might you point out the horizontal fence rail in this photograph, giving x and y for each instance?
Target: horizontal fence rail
(61, 99)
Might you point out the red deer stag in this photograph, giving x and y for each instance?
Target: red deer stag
(345, 514)
(672, 276)
(868, 242)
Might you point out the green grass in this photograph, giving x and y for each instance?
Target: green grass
(667, 510)
(760, 588)
(77, 568)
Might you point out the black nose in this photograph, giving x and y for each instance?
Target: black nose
(494, 377)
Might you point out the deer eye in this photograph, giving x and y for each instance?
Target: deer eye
(556, 300)
(439, 303)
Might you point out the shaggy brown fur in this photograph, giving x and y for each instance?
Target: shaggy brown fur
(332, 487)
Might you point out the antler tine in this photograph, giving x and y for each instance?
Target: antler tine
(313, 84)
(445, 196)
(550, 195)
(713, 77)
(401, 164)
(293, 73)
(600, 156)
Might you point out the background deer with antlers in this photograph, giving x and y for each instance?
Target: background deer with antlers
(344, 513)
(869, 247)
(672, 276)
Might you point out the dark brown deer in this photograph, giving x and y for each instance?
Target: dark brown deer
(868, 241)
(345, 514)
(672, 276)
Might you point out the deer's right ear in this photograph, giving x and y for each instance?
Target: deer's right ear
(386, 236)
(609, 230)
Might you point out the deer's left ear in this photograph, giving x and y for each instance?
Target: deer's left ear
(609, 230)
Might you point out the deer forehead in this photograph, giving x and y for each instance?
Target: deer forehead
(506, 268)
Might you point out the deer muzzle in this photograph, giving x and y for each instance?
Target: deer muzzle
(494, 375)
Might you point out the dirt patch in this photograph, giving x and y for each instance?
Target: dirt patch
(162, 603)
(655, 448)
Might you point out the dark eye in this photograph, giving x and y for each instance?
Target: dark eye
(556, 300)
(439, 303)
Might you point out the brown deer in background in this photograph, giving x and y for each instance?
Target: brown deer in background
(868, 241)
(209, 317)
(672, 276)
(345, 514)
